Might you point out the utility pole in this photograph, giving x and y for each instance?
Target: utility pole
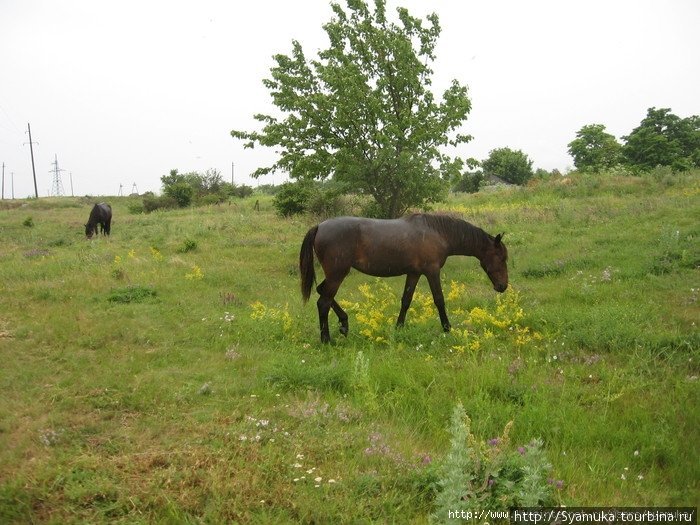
(31, 150)
(134, 189)
(56, 185)
(120, 190)
(71, 184)
(232, 174)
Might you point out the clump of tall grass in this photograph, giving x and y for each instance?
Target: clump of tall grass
(131, 294)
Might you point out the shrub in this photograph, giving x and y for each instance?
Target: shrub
(153, 203)
(328, 200)
(292, 198)
(28, 222)
(188, 245)
(181, 192)
(469, 182)
(136, 208)
(242, 191)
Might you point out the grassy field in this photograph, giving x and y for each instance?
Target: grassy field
(170, 373)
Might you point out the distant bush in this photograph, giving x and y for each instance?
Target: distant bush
(269, 189)
(328, 200)
(321, 200)
(242, 191)
(153, 203)
(212, 198)
(28, 222)
(292, 198)
(181, 192)
(469, 182)
(136, 208)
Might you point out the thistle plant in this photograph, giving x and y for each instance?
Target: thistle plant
(361, 382)
(478, 476)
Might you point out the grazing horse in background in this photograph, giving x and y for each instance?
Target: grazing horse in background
(412, 246)
(101, 214)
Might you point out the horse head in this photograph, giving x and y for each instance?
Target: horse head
(494, 262)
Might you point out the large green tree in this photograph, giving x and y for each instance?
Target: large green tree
(363, 112)
(664, 139)
(509, 165)
(594, 149)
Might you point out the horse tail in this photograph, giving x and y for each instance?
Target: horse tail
(306, 263)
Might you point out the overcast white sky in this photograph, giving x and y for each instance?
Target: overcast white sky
(124, 91)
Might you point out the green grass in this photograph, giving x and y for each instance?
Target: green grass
(170, 373)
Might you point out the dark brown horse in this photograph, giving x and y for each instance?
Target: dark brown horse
(101, 214)
(413, 246)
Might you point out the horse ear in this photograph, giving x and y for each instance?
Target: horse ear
(499, 237)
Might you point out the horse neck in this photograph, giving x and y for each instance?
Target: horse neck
(468, 240)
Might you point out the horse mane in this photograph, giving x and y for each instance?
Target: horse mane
(457, 231)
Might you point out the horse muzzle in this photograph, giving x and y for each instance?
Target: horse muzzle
(500, 288)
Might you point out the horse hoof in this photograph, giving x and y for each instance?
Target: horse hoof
(344, 330)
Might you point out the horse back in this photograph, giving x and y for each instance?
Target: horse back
(379, 247)
(101, 212)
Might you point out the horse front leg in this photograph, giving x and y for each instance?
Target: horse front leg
(407, 297)
(439, 299)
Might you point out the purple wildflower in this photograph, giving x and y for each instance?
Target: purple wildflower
(494, 442)
(522, 450)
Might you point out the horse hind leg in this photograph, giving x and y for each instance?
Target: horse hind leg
(342, 317)
(439, 299)
(326, 291)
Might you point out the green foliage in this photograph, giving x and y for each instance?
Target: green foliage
(329, 200)
(664, 139)
(180, 192)
(594, 149)
(321, 200)
(469, 182)
(508, 165)
(163, 202)
(240, 190)
(363, 113)
(292, 198)
(28, 222)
